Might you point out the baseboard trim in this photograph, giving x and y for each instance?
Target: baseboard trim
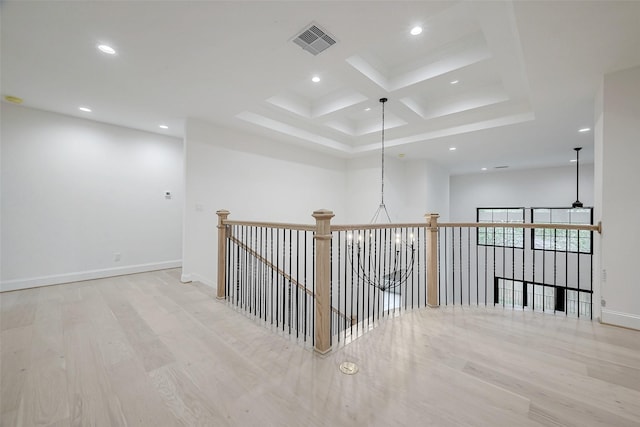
(57, 279)
(618, 318)
(195, 277)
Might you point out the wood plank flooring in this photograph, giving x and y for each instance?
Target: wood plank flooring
(146, 350)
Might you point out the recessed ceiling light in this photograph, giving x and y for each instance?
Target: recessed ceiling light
(315, 79)
(484, 169)
(416, 30)
(452, 148)
(85, 109)
(107, 49)
(401, 155)
(454, 82)
(584, 130)
(367, 109)
(163, 126)
(573, 160)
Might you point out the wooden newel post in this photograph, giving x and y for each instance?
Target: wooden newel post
(323, 280)
(222, 252)
(432, 259)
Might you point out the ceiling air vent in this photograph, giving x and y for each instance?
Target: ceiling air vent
(313, 39)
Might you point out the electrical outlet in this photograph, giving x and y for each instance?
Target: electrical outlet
(603, 302)
(116, 256)
(603, 275)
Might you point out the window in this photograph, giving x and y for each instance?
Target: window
(499, 236)
(562, 240)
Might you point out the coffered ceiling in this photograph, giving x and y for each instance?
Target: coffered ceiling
(505, 83)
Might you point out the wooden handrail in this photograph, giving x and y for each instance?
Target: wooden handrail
(281, 225)
(352, 227)
(586, 227)
(282, 273)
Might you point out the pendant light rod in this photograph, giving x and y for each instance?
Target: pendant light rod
(577, 203)
(382, 100)
(382, 207)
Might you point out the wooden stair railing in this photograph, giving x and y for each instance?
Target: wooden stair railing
(255, 254)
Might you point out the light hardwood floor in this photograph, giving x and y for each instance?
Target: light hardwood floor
(146, 350)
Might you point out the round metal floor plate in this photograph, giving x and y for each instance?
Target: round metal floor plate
(348, 368)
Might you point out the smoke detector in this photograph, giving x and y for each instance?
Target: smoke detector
(314, 39)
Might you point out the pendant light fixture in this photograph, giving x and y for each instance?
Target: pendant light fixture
(382, 258)
(577, 203)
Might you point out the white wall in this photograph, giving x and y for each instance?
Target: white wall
(363, 189)
(412, 189)
(256, 180)
(617, 203)
(547, 187)
(74, 192)
(426, 190)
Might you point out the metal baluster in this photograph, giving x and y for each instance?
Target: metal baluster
(391, 253)
(533, 264)
(352, 284)
(243, 270)
(579, 293)
(591, 276)
(367, 256)
(238, 267)
(566, 272)
(306, 297)
(263, 250)
(277, 282)
(377, 270)
(313, 287)
(284, 267)
(227, 279)
(496, 297)
(453, 265)
(446, 269)
(469, 266)
(271, 252)
(339, 283)
(298, 284)
(334, 322)
(461, 260)
(555, 269)
(289, 291)
(477, 271)
(348, 304)
(416, 248)
(255, 279)
(524, 298)
(486, 271)
(344, 292)
(513, 268)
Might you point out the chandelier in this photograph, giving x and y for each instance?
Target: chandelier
(382, 257)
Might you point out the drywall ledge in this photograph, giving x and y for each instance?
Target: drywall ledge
(57, 279)
(617, 318)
